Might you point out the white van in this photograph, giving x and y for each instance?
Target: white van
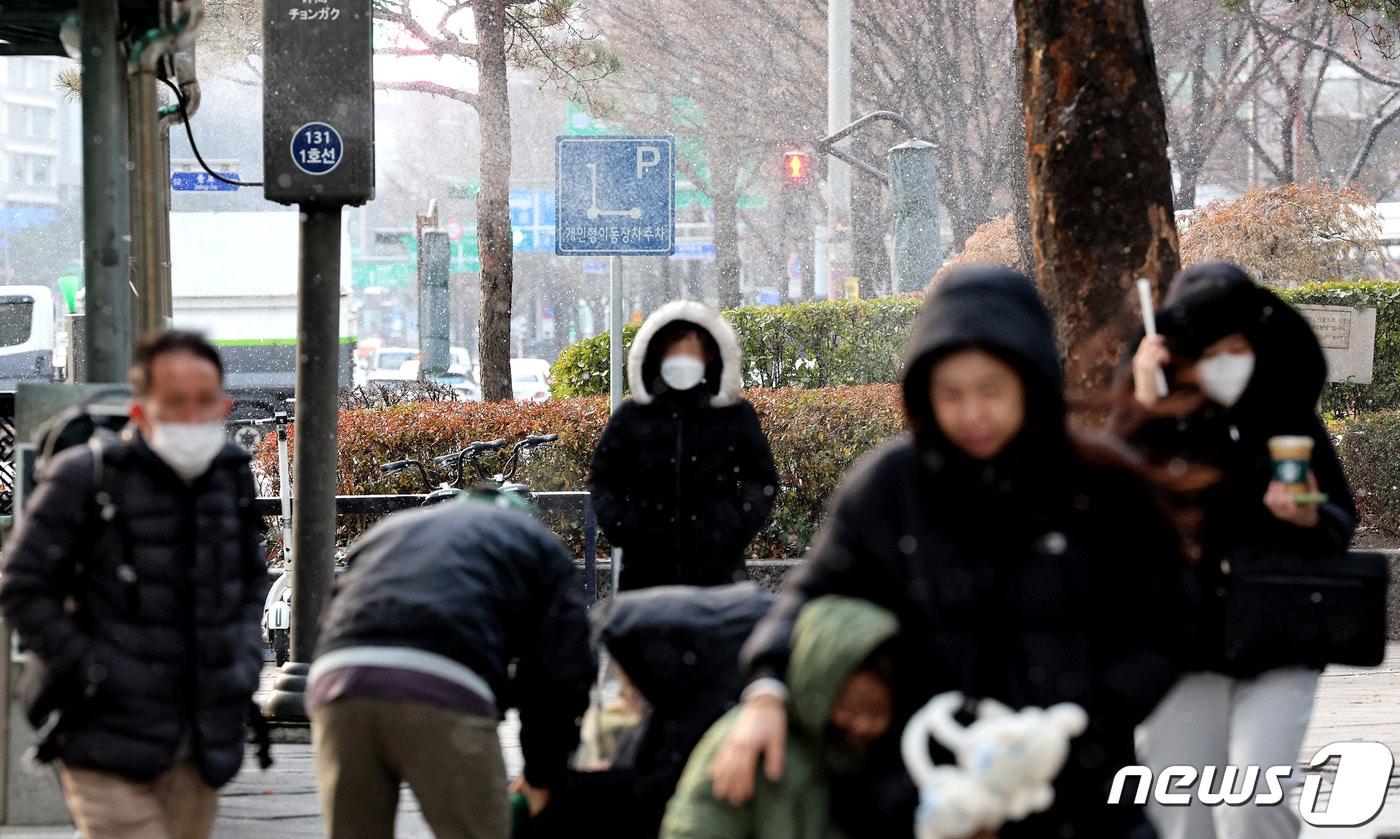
(26, 334)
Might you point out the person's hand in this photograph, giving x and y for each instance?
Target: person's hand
(986, 834)
(759, 732)
(1279, 499)
(1149, 360)
(535, 799)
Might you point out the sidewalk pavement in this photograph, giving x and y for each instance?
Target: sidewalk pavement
(1352, 704)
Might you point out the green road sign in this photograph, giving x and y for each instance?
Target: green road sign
(68, 286)
(381, 274)
(579, 123)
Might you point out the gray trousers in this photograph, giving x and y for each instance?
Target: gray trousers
(1213, 720)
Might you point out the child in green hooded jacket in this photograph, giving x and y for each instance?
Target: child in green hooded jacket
(841, 684)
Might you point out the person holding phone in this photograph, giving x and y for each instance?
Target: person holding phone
(1244, 372)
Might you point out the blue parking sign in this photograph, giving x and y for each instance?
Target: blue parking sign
(317, 148)
(616, 196)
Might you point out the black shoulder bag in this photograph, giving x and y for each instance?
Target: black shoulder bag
(1290, 608)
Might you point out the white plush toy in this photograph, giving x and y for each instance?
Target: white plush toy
(1009, 758)
(954, 805)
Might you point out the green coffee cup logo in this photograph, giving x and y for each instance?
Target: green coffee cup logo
(1291, 471)
(1292, 457)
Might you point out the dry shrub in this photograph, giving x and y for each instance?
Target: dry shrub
(1287, 235)
(816, 434)
(994, 243)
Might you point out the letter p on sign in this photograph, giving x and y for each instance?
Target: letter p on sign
(1358, 793)
(647, 157)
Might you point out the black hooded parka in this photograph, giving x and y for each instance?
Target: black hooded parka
(682, 481)
(1046, 574)
(1205, 304)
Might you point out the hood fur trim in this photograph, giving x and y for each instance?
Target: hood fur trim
(692, 311)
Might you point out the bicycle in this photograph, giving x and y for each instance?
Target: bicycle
(456, 464)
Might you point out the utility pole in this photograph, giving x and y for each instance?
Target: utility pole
(833, 251)
(106, 191)
(318, 153)
(154, 55)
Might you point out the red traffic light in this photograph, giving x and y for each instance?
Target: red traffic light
(797, 165)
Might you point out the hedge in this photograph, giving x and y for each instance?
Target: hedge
(1369, 446)
(1345, 399)
(809, 345)
(826, 344)
(815, 435)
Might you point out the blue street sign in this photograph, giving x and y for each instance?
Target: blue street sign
(532, 219)
(694, 249)
(616, 196)
(201, 182)
(317, 148)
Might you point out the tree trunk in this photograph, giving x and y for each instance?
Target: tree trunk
(724, 195)
(493, 203)
(1099, 179)
(807, 261)
(1189, 157)
(670, 283)
(1020, 194)
(694, 286)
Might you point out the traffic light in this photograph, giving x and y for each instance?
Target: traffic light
(797, 167)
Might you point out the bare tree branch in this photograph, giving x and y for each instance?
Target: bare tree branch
(1378, 125)
(432, 89)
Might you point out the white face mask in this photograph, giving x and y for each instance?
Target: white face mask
(1224, 377)
(187, 447)
(682, 372)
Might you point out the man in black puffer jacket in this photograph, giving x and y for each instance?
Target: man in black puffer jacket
(447, 617)
(136, 579)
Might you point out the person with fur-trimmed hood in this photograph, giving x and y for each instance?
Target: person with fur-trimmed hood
(683, 478)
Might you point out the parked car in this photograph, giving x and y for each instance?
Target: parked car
(461, 382)
(529, 379)
(392, 364)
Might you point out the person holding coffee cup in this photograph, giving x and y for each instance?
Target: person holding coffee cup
(1245, 374)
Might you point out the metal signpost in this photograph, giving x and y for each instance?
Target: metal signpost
(615, 197)
(434, 306)
(913, 182)
(914, 194)
(318, 152)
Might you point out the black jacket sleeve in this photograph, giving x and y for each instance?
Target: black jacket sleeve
(608, 477)
(555, 670)
(843, 559)
(40, 565)
(1148, 613)
(758, 476)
